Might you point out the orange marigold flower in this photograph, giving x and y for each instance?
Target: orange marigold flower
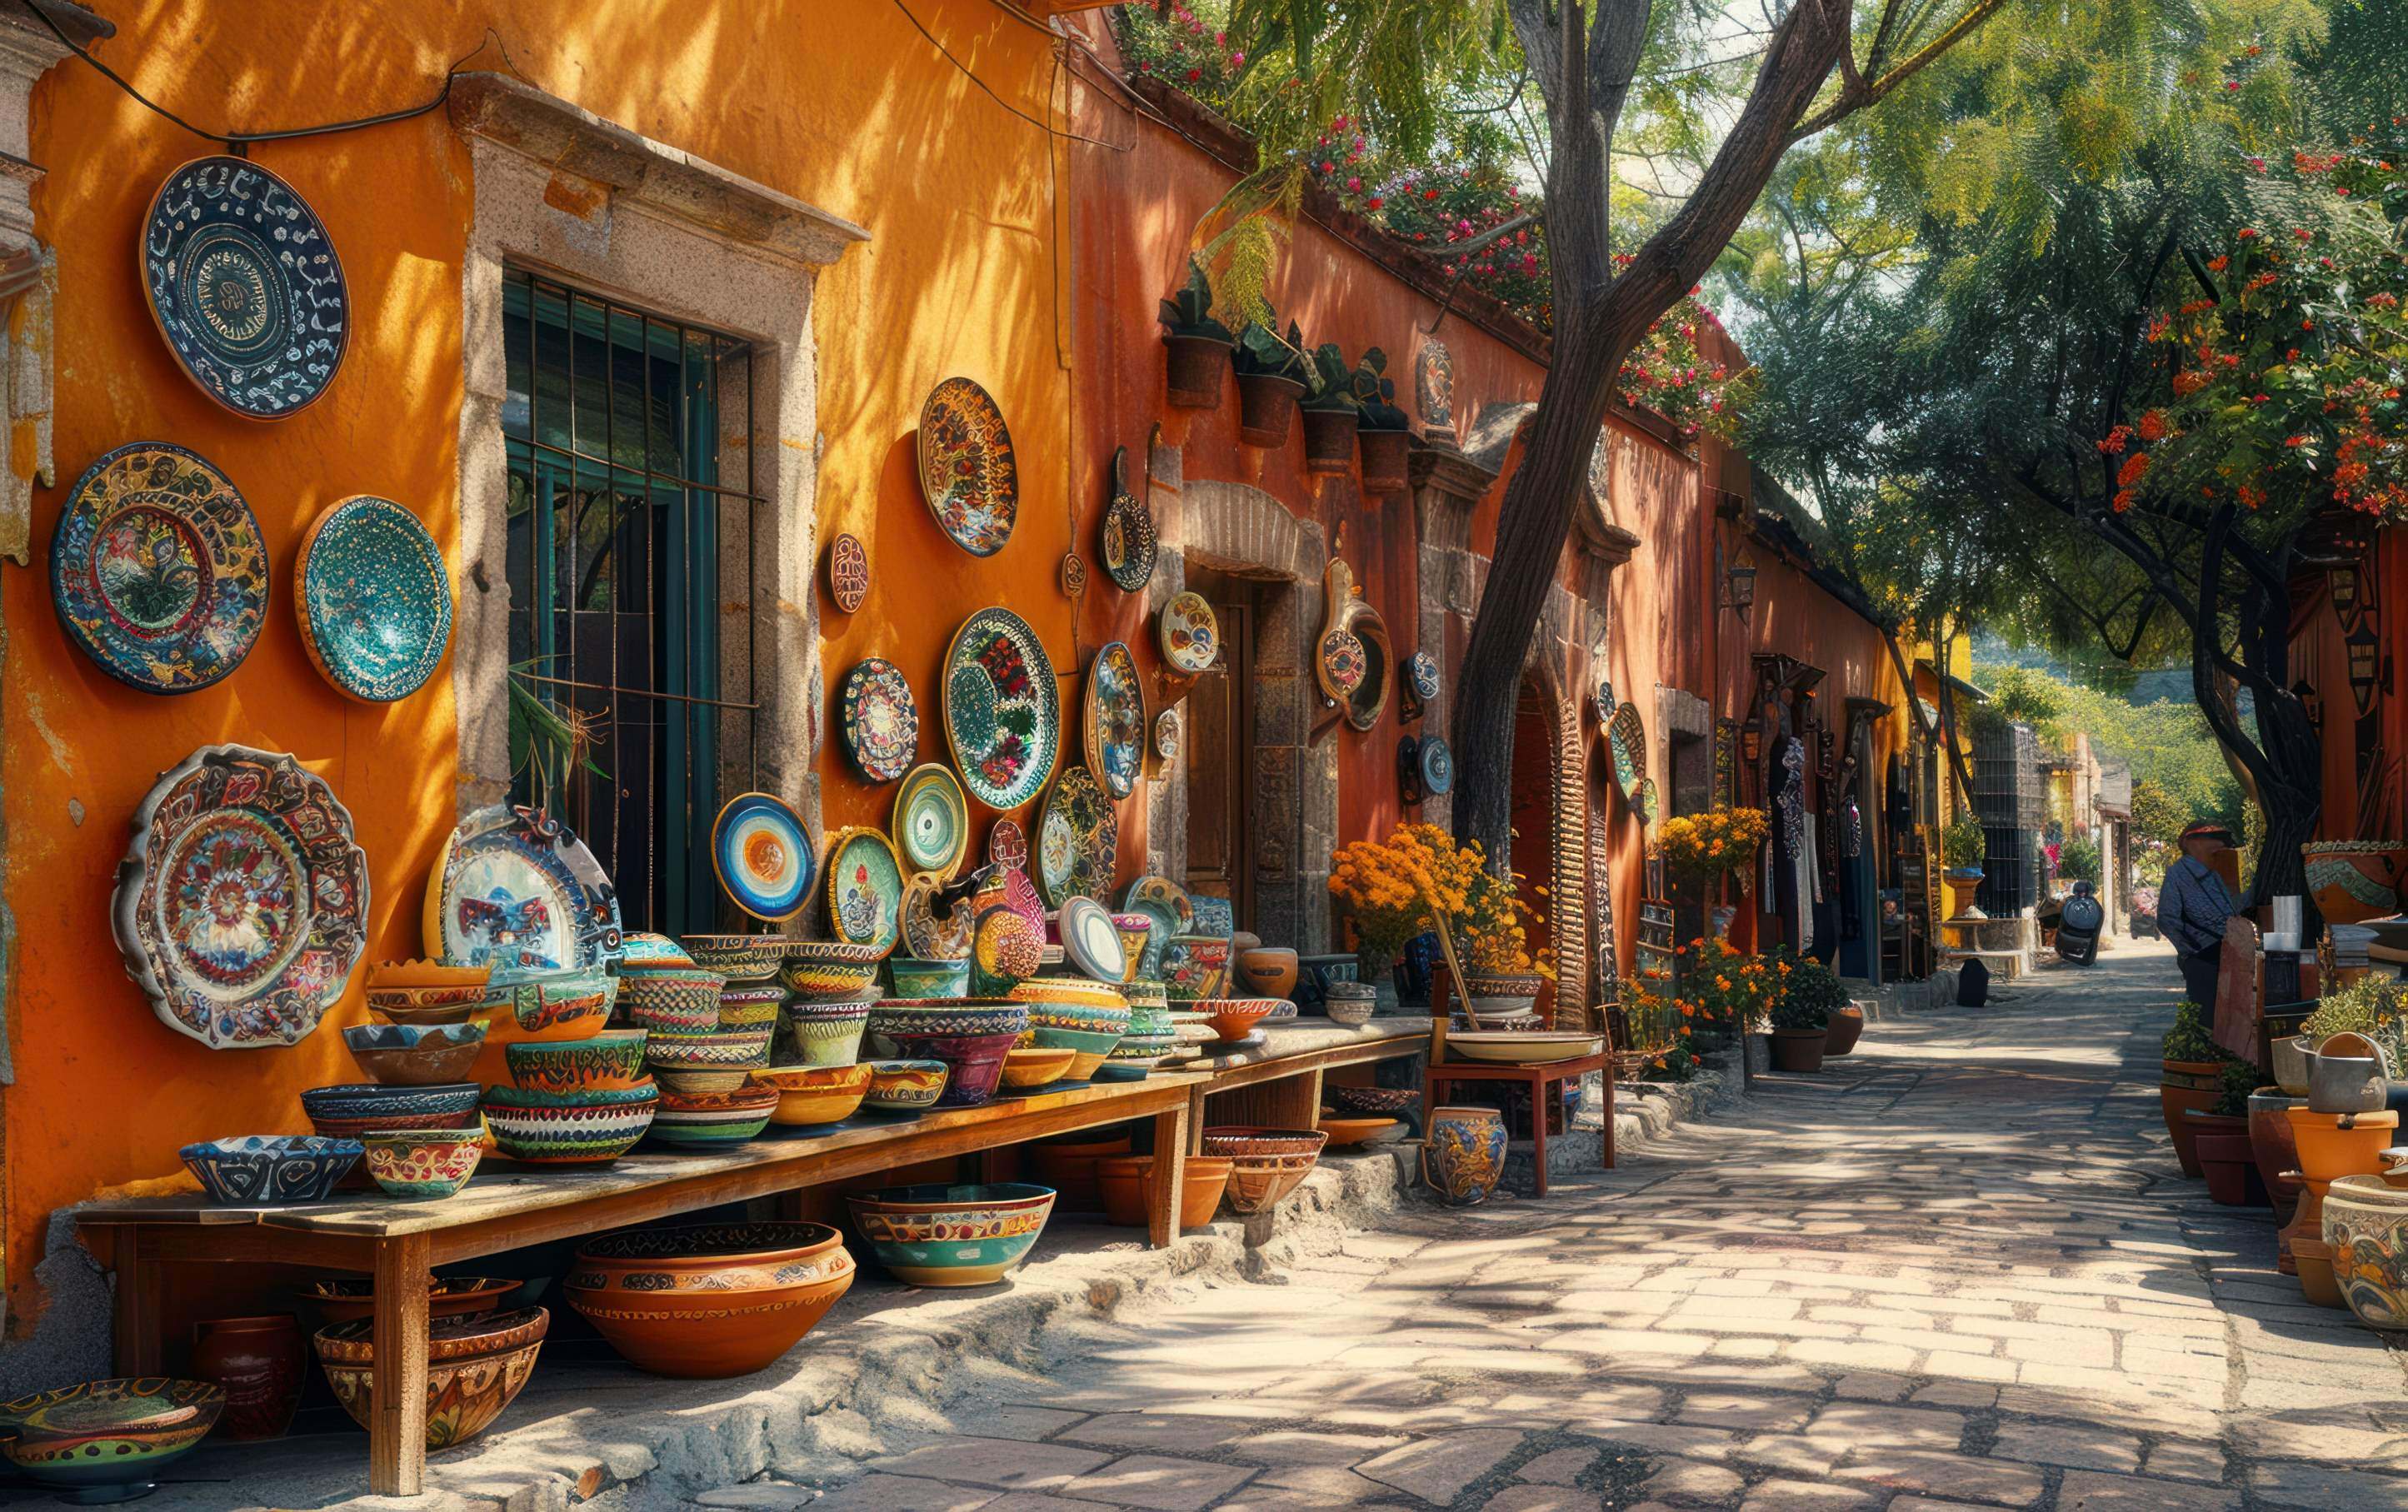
(2136, 466)
(2153, 425)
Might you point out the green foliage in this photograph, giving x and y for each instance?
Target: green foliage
(2078, 860)
(1375, 393)
(2157, 817)
(2237, 1079)
(2253, 841)
(1262, 350)
(1189, 312)
(2187, 1038)
(2028, 697)
(1329, 382)
(1810, 993)
(2374, 1007)
(2178, 772)
(1962, 843)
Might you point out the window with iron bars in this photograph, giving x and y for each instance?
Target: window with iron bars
(630, 564)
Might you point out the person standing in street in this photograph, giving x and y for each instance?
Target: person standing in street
(2192, 907)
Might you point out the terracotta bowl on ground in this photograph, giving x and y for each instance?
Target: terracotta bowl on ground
(1268, 970)
(1234, 1017)
(1125, 1183)
(422, 1165)
(904, 1086)
(610, 1062)
(102, 1441)
(476, 1364)
(1372, 1102)
(1069, 1167)
(416, 1055)
(953, 1236)
(708, 1299)
(1267, 1164)
(1346, 1132)
(1026, 1068)
(814, 1094)
(342, 1300)
(728, 1118)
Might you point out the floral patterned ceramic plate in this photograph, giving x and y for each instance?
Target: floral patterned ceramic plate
(1190, 633)
(882, 720)
(1116, 720)
(932, 820)
(967, 471)
(763, 855)
(157, 569)
(1090, 943)
(1003, 713)
(865, 890)
(1129, 544)
(373, 599)
(1077, 839)
(1438, 766)
(241, 905)
(245, 286)
(516, 891)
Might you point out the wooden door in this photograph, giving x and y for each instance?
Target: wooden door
(1220, 757)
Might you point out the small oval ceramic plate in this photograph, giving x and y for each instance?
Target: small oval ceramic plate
(1090, 943)
(1190, 633)
(763, 855)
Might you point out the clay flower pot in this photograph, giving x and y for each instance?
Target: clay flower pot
(2366, 1228)
(1387, 459)
(708, 1299)
(1268, 971)
(1329, 439)
(1266, 408)
(2232, 1172)
(2335, 1145)
(1846, 1026)
(2271, 1146)
(1121, 1181)
(1069, 1168)
(258, 1361)
(1799, 1050)
(1196, 366)
(2181, 1085)
(2352, 881)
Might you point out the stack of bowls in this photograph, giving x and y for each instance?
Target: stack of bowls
(414, 1054)
(706, 1057)
(1152, 1036)
(425, 992)
(1085, 1018)
(574, 1102)
(542, 1008)
(970, 1035)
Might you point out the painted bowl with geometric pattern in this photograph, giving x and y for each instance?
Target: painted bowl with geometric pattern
(672, 998)
(610, 1062)
(743, 1005)
(562, 1005)
(449, 1004)
(642, 951)
(270, 1170)
(1069, 991)
(1087, 1047)
(1091, 1019)
(102, 1441)
(821, 970)
(808, 1095)
(973, 1063)
(1234, 1017)
(743, 1048)
(350, 1101)
(739, 958)
(419, 1165)
(552, 1134)
(708, 1299)
(728, 1118)
(416, 1055)
(827, 1033)
(476, 1363)
(953, 1236)
(942, 1016)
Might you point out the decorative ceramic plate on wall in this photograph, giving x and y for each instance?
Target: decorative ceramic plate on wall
(1007, 845)
(157, 569)
(1077, 839)
(245, 286)
(1166, 732)
(1342, 664)
(373, 599)
(1421, 676)
(932, 820)
(881, 720)
(1438, 766)
(1090, 943)
(1116, 720)
(1190, 633)
(966, 470)
(516, 891)
(241, 905)
(763, 855)
(865, 890)
(1602, 696)
(1003, 713)
(1129, 543)
(1628, 738)
(847, 569)
(1643, 803)
(1162, 892)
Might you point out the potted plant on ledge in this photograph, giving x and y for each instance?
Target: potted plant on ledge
(1200, 344)
(2190, 1080)
(1801, 1015)
(1962, 846)
(1386, 435)
(1270, 381)
(1330, 414)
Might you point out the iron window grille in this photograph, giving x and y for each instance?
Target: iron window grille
(630, 564)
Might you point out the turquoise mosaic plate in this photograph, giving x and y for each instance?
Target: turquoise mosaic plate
(1003, 713)
(374, 600)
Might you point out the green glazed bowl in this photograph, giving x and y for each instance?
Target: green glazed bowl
(929, 979)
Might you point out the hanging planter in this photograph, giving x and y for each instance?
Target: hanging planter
(1385, 438)
(1198, 344)
(1271, 382)
(1330, 415)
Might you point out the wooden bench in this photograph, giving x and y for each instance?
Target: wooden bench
(1278, 1083)
(508, 1206)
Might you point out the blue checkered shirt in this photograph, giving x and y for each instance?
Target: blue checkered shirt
(2193, 906)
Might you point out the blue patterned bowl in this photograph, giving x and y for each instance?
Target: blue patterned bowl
(944, 1236)
(416, 1055)
(368, 1099)
(270, 1170)
(937, 1015)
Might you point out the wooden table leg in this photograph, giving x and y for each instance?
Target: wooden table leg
(137, 1321)
(1195, 1136)
(398, 1419)
(1171, 1134)
(1539, 1086)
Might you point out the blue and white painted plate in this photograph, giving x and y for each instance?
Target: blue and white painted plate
(517, 890)
(373, 600)
(763, 855)
(1438, 766)
(246, 287)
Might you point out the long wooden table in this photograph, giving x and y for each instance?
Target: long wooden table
(1277, 1084)
(508, 1206)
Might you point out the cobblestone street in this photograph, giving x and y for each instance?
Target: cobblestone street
(1957, 1269)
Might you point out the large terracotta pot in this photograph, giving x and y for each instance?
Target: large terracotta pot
(2354, 880)
(1196, 364)
(258, 1360)
(2335, 1145)
(710, 1299)
(1799, 1050)
(2193, 1085)
(1329, 439)
(1268, 971)
(1464, 1154)
(1128, 1185)
(475, 1365)
(1266, 409)
(2194, 1124)
(2366, 1228)
(2232, 1172)
(1846, 1027)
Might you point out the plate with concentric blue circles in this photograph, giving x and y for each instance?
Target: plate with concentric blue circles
(373, 600)
(932, 820)
(763, 855)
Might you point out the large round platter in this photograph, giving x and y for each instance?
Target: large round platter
(1190, 633)
(967, 471)
(1090, 943)
(763, 855)
(516, 891)
(1003, 713)
(865, 890)
(1116, 720)
(373, 599)
(245, 286)
(157, 569)
(1129, 543)
(241, 905)
(1077, 838)
(932, 820)
(882, 720)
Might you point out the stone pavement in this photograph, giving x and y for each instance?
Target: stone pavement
(1957, 1269)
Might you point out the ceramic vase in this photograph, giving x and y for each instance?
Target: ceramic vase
(2366, 1228)
(1464, 1154)
(258, 1361)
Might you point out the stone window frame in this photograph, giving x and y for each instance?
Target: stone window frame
(561, 191)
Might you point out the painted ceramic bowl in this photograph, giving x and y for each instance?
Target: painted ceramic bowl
(425, 974)
(1372, 1102)
(103, 1441)
(1522, 1046)
(708, 1299)
(475, 1365)
(1268, 970)
(952, 1237)
(739, 958)
(1110, 1018)
(805, 1096)
(973, 1063)
(567, 1004)
(1135, 930)
(1070, 992)
(1026, 1068)
(700, 1078)
(341, 1301)
(1266, 1164)
(820, 970)
(743, 1005)
(1346, 1132)
(904, 1086)
(1087, 1048)
(554, 1134)
(612, 1062)
(964, 1015)
(644, 951)
(270, 1170)
(415, 1055)
(426, 1005)
(728, 1118)
(745, 1050)
(1245, 1139)
(1349, 1012)
(355, 1108)
(421, 1163)
(1194, 967)
(928, 979)
(1234, 1017)
(827, 1033)
(673, 998)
